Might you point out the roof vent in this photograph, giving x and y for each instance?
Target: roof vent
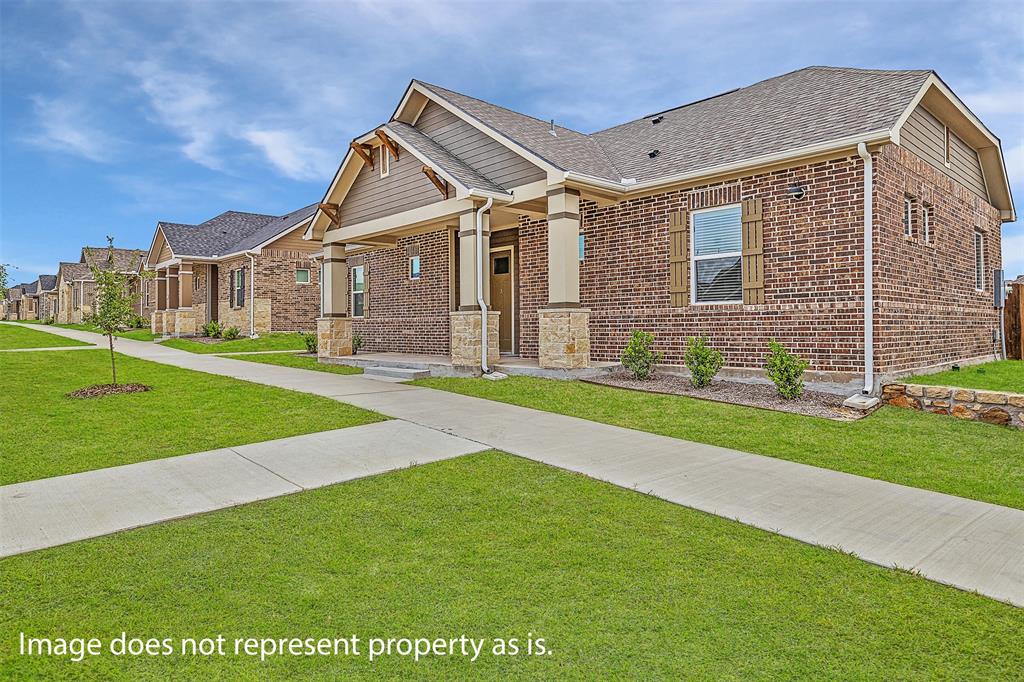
(552, 129)
(657, 119)
(654, 154)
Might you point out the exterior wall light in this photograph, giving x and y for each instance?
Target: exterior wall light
(796, 192)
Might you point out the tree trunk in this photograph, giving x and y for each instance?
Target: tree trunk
(113, 365)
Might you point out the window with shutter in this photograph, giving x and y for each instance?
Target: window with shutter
(679, 259)
(716, 266)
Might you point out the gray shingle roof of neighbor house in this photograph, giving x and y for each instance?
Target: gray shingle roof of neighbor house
(124, 259)
(812, 105)
(73, 271)
(47, 282)
(229, 232)
(27, 288)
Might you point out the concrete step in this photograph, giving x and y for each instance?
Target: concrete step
(400, 373)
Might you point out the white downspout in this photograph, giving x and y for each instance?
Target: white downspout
(480, 283)
(252, 295)
(869, 299)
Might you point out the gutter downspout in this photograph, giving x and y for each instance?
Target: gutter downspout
(480, 283)
(869, 300)
(252, 295)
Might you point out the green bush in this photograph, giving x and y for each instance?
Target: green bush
(138, 321)
(211, 329)
(49, 320)
(310, 340)
(702, 360)
(786, 370)
(231, 333)
(638, 357)
(357, 343)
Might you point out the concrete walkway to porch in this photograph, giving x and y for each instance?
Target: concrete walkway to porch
(969, 544)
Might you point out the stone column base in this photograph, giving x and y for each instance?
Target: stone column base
(333, 337)
(564, 338)
(465, 338)
(184, 323)
(156, 322)
(169, 318)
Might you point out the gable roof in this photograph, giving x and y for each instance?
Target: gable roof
(230, 232)
(73, 271)
(124, 259)
(47, 282)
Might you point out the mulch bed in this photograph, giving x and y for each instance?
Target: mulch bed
(205, 339)
(100, 390)
(765, 396)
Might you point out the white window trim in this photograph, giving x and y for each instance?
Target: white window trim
(352, 291)
(384, 159)
(419, 276)
(908, 217)
(694, 258)
(979, 260)
(309, 276)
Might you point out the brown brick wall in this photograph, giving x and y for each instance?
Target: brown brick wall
(927, 309)
(293, 307)
(405, 315)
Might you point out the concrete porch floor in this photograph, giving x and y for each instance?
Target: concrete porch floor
(441, 365)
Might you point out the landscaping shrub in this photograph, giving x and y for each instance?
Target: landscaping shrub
(786, 370)
(310, 340)
(211, 329)
(231, 333)
(702, 360)
(138, 321)
(49, 320)
(638, 357)
(357, 343)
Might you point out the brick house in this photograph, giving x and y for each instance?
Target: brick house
(40, 298)
(745, 216)
(76, 288)
(245, 270)
(15, 309)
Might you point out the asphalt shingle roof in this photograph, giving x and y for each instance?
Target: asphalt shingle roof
(229, 232)
(47, 282)
(73, 271)
(440, 156)
(124, 259)
(798, 109)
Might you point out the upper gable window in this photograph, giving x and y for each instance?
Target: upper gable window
(384, 161)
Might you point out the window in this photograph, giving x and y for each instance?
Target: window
(385, 161)
(926, 223)
(195, 282)
(908, 217)
(717, 255)
(302, 275)
(237, 287)
(414, 267)
(581, 248)
(358, 290)
(979, 261)
(946, 146)
(502, 265)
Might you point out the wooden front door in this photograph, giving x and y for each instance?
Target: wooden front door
(503, 296)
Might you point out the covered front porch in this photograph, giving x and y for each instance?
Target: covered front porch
(173, 313)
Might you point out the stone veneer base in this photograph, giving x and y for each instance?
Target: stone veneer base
(991, 407)
(333, 337)
(465, 338)
(184, 322)
(564, 338)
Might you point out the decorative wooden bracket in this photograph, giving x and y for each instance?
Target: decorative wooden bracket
(440, 184)
(364, 151)
(332, 211)
(388, 143)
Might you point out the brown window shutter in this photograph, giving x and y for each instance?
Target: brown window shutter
(679, 258)
(753, 251)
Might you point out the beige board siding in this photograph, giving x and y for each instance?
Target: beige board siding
(405, 188)
(925, 135)
(293, 241)
(480, 151)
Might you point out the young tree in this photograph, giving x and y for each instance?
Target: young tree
(3, 281)
(116, 296)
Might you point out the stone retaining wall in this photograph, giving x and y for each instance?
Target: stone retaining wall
(992, 407)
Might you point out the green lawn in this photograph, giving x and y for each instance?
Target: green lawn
(48, 434)
(276, 341)
(136, 334)
(20, 337)
(967, 459)
(619, 585)
(1002, 375)
(297, 361)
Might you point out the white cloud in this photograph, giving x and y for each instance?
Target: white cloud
(62, 125)
(290, 154)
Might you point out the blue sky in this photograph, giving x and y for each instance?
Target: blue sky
(120, 114)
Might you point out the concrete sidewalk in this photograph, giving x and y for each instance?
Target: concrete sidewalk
(54, 511)
(966, 543)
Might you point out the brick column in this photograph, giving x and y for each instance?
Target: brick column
(334, 326)
(466, 328)
(564, 326)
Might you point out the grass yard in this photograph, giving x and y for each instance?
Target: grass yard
(186, 412)
(275, 341)
(619, 585)
(297, 361)
(1001, 375)
(19, 337)
(967, 459)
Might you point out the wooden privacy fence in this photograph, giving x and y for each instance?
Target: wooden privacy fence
(1012, 322)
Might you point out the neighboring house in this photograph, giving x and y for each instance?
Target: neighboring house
(42, 300)
(15, 302)
(740, 216)
(76, 288)
(245, 270)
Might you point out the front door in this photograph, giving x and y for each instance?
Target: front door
(502, 296)
(211, 291)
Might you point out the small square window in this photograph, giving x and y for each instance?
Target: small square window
(502, 265)
(302, 275)
(414, 267)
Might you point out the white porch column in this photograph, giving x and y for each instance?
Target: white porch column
(466, 324)
(467, 260)
(334, 326)
(564, 326)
